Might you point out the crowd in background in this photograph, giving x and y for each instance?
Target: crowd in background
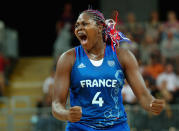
(156, 47)
(155, 44)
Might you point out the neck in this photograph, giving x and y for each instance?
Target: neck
(97, 51)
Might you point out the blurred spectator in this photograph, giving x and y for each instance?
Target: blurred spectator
(170, 46)
(8, 52)
(128, 95)
(3, 63)
(11, 51)
(168, 96)
(134, 28)
(151, 84)
(48, 83)
(172, 24)
(152, 27)
(2, 36)
(8, 41)
(66, 17)
(11, 46)
(147, 46)
(155, 67)
(47, 90)
(168, 78)
(2, 84)
(43, 120)
(64, 34)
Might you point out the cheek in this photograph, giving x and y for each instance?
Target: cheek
(93, 34)
(75, 32)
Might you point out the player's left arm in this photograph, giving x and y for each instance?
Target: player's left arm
(135, 80)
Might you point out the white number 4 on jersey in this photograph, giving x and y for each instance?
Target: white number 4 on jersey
(99, 101)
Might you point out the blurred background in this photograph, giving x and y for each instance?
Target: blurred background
(33, 36)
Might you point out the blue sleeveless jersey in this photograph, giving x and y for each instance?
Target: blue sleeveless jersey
(98, 89)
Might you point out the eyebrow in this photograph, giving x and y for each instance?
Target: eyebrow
(81, 22)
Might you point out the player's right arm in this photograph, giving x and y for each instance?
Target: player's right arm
(61, 88)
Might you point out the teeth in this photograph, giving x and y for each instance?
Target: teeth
(81, 33)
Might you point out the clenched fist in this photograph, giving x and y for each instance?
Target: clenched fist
(75, 113)
(157, 106)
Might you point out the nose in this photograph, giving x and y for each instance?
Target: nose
(79, 28)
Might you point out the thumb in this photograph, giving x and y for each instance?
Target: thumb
(158, 102)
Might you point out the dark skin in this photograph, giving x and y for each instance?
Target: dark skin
(94, 47)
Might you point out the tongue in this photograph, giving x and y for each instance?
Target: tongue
(84, 41)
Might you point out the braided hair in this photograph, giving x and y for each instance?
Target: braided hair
(109, 31)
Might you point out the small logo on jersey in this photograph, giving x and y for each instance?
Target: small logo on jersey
(81, 65)
(111, 63)
(119, 76)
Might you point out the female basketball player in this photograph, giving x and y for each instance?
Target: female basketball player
(94, 73)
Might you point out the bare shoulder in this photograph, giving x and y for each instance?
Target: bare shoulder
(122, 51)
(67, 58)
(126, 57)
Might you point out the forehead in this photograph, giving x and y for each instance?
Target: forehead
(84, 17)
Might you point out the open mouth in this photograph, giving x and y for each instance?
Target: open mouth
(83, 37)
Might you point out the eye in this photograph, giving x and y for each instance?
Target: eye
(85, 23)
(76, 25)
(82, 24)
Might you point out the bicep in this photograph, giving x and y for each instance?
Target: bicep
(133, 75)
(62, 79)
(135, 80)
